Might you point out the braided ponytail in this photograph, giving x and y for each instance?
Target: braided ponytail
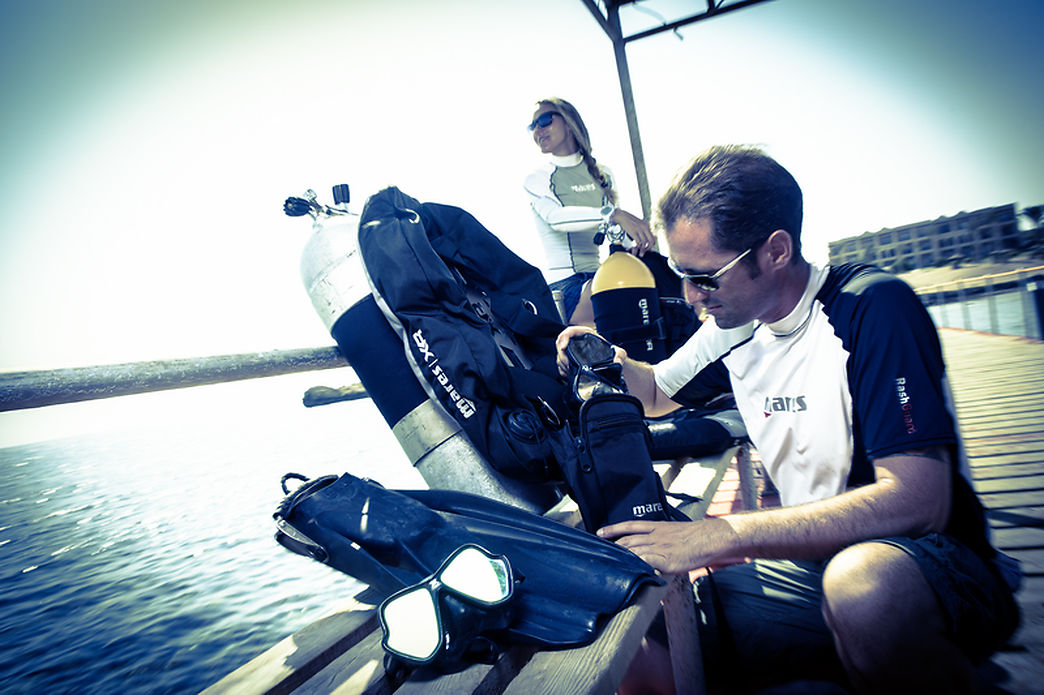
(600, 177)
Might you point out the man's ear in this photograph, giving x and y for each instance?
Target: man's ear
(780, 248)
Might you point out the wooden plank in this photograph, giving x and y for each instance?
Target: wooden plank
(1003, 426)
(1018, 537)
(679, 611)
(1003, 448)
(1019, 406)
(1014, 483)
(1017, 369)
(1029, 432)
(598, 668)
(1022, 516)
(993, 437)
(298, 657)
(1032, 560)
(989, 471)
(429, 682)
(1009, 470)
(1009, 500)
(748, 483)
(1023, 406)
(1024, 396)
(480, 678)
(1026, 413)
(984, 375)
(359, 671)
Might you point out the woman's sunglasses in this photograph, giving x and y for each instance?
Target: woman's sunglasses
(705, 282)
(543, 120)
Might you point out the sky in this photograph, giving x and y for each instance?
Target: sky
(146, 147)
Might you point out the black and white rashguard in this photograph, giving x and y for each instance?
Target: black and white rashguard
(854, 373)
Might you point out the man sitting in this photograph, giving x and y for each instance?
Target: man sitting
(876, 572)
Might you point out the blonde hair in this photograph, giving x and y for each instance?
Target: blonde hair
(576, 126)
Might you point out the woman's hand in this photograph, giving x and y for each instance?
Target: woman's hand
(636, 228)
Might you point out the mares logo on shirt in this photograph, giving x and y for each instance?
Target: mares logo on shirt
(905, 405)
(784, 404)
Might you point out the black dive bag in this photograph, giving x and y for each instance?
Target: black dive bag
(478, 325)
(571, 581)
(613, 478)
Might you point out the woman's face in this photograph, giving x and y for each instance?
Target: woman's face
(555, 137)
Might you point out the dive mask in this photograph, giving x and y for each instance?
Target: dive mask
(441, 620)
(595, 371)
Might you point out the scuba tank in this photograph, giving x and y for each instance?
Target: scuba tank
(333, 276)
(625, 300)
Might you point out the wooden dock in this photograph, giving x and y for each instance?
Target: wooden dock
(998, 384)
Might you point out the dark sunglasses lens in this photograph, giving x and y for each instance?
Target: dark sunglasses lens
(541, 121)
(704, 283)
(707, 284)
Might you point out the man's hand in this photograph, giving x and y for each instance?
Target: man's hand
(563, 340)
(911, 497)
(675, 547)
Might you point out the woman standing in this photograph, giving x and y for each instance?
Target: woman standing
(571, 196)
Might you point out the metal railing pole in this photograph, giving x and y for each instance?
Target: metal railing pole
(34, 389)
(991, 303)
(1032, 312)
(965, 312)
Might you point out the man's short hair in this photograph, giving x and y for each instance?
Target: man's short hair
(744, 193)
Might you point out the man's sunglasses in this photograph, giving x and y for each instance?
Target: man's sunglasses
(543, 120)
(706, 282)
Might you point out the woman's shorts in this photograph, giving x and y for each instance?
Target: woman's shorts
(571, 288)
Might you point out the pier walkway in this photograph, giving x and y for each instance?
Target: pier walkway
(998, 384)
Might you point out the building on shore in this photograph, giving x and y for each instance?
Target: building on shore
(964, 237)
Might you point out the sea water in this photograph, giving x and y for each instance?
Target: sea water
(138, 554)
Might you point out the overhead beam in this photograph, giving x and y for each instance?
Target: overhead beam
(609, 21)
(713, 10)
